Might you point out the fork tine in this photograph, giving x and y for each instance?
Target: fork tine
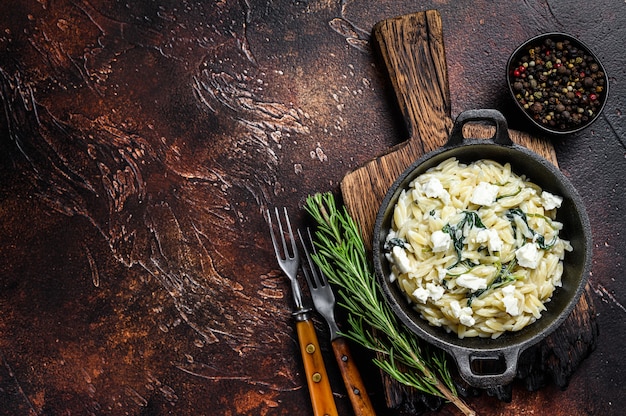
(293, 255)
(308, 278)
(319, 279)
(312, 278)
(323, 281)
(281, 232)
(274, 243)
(294, 249)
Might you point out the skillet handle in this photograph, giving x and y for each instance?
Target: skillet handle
(485, 369)
(501, 136)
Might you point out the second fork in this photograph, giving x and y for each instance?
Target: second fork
(324, 301)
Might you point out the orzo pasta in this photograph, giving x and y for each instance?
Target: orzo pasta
(476, 248)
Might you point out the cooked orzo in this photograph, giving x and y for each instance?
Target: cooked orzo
(476, 248)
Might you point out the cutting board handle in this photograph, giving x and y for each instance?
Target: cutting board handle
(411, 46)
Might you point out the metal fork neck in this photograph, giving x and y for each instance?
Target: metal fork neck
(333, 328)
(302, 314)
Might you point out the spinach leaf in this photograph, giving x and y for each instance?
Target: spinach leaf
(535, 236)
(470, 219)
(395, 242)
(502, 278)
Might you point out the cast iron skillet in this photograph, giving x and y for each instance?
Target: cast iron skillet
(486, 362)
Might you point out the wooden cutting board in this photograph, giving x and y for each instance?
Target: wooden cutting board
(412, 49)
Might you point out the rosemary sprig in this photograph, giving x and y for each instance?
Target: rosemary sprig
(341, 255)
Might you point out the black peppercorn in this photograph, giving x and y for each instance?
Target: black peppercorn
(559, 84)
(536, 108)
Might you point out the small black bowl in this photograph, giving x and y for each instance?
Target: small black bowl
(557, 82)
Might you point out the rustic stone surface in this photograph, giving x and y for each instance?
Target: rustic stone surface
(140, 143)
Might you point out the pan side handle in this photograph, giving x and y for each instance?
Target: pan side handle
(500, 136)
(486, 369)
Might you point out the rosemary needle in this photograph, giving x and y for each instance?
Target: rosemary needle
(342, 257)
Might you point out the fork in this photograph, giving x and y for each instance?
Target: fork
(316, 376)
(324, 301)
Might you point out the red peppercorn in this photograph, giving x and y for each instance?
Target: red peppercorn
(543, 71)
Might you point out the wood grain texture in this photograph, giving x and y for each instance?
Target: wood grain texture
(412, 50)
(141, 143)
(315, 371)
(360, 400)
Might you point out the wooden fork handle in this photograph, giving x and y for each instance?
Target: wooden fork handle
(316, 376)
(361, 403)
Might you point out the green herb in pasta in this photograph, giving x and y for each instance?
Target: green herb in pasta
(530, 233)
(470, 219)
(502, 278)
(483, 254)
(395, 242)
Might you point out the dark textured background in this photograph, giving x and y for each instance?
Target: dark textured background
(140, 143)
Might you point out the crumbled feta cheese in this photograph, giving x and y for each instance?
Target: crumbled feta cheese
(491, 237)
(495, 242)
(528, 255)
(482, 236)
(435, 291)
(471, 281)
(441, 273)
(421, 294)
(400, 259)
(508, 290)
(434, 189)
(464, 315)
(551, 201)
(511, 303)
(441, 241)
(455, 308)
(484, 194)
(466, 318)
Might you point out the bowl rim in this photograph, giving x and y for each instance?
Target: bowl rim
(538, 38)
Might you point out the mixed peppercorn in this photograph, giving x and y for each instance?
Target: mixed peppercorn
(558, 83)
